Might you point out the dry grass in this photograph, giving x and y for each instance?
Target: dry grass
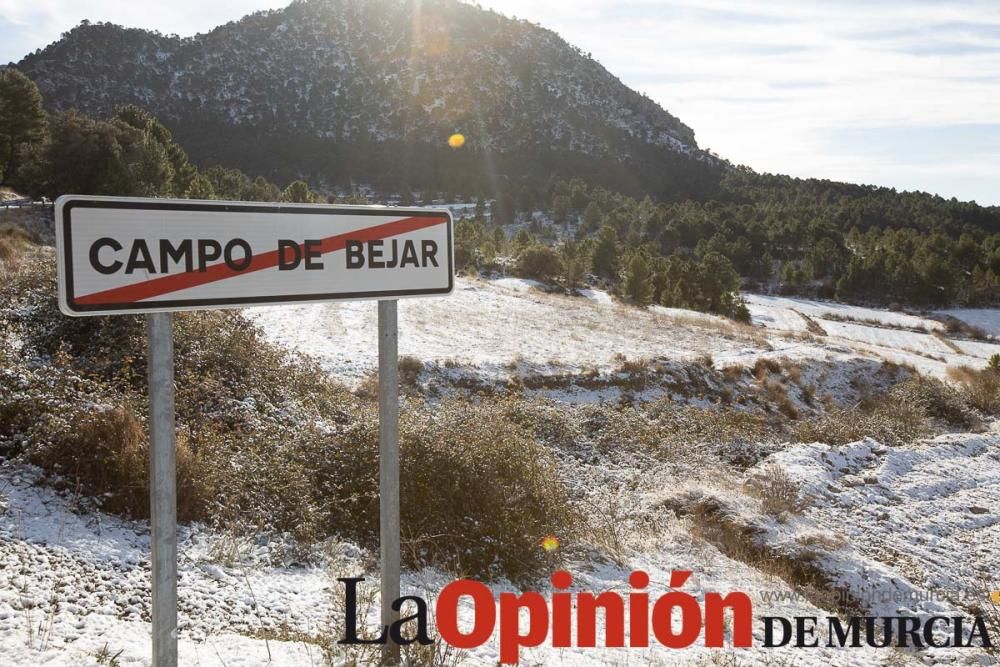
(14, 239)
(873, 322)
(956, 327)
(106, 454)
(822, 542)
(764, 367)
(891, 424)
(776, 394)
(266, 441)
(911, 409)
(780, 496)
(950, 344)
(981, 387)
(793, 371)
(671, 431)
(626, 365)
(721, 525)
(608, 523)
(733, 373)
(939, 401)
(409, 370)
(718, 326)
(812, 326)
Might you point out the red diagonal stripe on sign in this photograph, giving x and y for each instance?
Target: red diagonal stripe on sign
(148, 289)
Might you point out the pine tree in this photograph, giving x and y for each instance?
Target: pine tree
(183, 171)
(200, 188)
(539, 261)
(606, 263)
(298, 191)
(638, 289)
(499, 238)
(22, 120)
(97, 157)
(659, 283)
(262, 189)
(522, 240)
(574, 263)
(560, 209)
(592, 217)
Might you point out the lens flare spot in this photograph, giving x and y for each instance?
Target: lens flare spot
(549, 543)
(456, 140)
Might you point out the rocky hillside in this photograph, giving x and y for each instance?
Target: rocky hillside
(371, 89)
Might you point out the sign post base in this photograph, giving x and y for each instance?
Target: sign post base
(388, 468)
(163, 488)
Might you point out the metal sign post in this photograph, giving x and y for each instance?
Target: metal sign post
(163, 488)
(388, 468)
(128, 255)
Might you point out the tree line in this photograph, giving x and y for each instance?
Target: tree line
(757, 231)
(807, 237)
(128, 154)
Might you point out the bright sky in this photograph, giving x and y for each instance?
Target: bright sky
(903, 93)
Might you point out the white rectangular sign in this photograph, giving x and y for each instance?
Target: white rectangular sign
(129, 255)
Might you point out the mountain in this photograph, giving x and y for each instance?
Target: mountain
(370, 90)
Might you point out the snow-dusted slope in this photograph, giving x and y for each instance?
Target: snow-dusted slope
(923, 517)
(899, 337)
(72, 586)
(289, 87)
(490, 324)
(912, 520)
(493, 324)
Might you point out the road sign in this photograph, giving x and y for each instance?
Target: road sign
(127, 255)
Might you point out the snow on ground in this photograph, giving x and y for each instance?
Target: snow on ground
(517, 284)
(920, 523)
(913, 519)
(494, 325)
(987, 319)
(73, 582)
(72, 585)
(762, 306)
(898, 337)
(597, 296)
(490, 324)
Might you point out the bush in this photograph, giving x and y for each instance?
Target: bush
(779, 494)
(539, 262)
(13, 240)
(890, 422)
(225, 371)
(409, 370)
(266, 442)
(906, 412)
(106, 453)
(477, 492)
(981, 387)
(938, 401)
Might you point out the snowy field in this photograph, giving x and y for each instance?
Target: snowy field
(492, 324)
(72, 584)
(908, 523)
(489, 324)
(88, 580)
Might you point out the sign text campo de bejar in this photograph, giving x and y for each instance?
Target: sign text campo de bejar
(126, 255)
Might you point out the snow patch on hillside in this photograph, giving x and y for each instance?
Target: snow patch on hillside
(920, 523)
(490, 324)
